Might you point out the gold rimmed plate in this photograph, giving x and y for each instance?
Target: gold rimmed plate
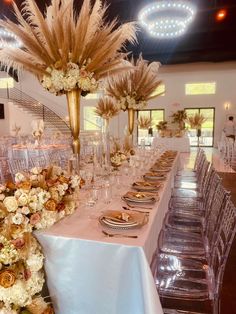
(154, 176)
(146, 186)
(123, 220)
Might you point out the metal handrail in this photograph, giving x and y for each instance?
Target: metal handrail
(24, 100)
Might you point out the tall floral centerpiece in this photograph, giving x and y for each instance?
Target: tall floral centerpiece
(133, 88)
(179, 117)
(69, 52)
(106, 109)
(195, 121)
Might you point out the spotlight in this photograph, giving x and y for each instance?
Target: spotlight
(221, 15)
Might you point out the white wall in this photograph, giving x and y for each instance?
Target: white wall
(174, 77)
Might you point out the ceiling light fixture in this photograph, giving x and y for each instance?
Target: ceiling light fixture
(8, 40)
(221, 15)
(167, 19)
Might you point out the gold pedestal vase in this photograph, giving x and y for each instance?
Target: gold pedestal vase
(73, 103)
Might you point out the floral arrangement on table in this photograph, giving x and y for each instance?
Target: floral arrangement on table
(35, 201)
(162, 125)
(121, 151)
(144, 123)
(16, 129)
(37, 130)
(117, 158)
(106, 108)
(65, 49)
(133, 88)
(68, 50)
(179, 117)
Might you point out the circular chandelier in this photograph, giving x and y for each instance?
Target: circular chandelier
(167, 19)
(8, 40)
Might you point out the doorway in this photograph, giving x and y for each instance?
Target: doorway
(206, 135)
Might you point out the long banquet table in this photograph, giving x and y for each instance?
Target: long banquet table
(181, 144)
(90, 273)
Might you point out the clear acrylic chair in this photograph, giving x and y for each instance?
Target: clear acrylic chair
(181, 174)
(38, 161)
(4, 170)
(191, 236)
(195, 204)
(197, 192)
(18, 165)
(188, 279)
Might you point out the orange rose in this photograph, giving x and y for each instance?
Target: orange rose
(63, 179)
(25, 185)
(16, 230)
(7, 278)
(51, 205)
(60, 207)
(49, 310)
(10, 185)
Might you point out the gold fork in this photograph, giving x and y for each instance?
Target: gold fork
(119, 235)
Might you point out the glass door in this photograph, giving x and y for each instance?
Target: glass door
(156, 115)
(204, 137)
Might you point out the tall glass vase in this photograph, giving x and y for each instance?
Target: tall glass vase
(73, 103)
(106, 144)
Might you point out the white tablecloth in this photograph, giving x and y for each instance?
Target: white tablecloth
(180, 144)
(89, 273)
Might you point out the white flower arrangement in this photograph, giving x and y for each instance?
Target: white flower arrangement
(59, 81)
(129, 102)
(8, 253)
(118, 158)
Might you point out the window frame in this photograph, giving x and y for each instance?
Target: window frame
(150, 111)
(213, 130)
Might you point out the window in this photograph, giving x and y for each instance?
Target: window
(161, 89)
(156, 115)
(6, 82)
(94, 95)
(207, 88)
(91, 121)
(204, 137)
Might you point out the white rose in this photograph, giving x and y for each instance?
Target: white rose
(23, 199)
(75, 181)
(19, 177)
(2, 188)
(10, 203)
(18, 219)
(24, 210)
(2, 196)
(43, 197)
(36, 170)
(35, 262)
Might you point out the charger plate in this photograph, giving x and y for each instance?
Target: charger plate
(146, 186)
(139, 197)
(113, 219)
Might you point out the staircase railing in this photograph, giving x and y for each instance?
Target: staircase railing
(34, 107)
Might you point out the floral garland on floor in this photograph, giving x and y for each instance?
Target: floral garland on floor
(35, 201)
